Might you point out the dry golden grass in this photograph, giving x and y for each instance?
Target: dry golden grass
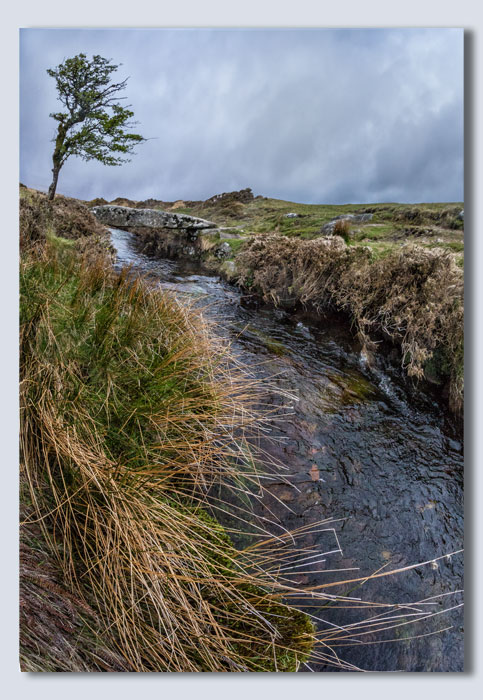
(342, 228)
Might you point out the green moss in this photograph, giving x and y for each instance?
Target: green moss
(276, 348)
(271, 344)
(294, 642)
(355, 387)
(441, 366)
(234, 243)
(295, 629)
(455, 246)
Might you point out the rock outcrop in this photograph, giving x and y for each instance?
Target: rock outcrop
(242, 196)
(129, 218)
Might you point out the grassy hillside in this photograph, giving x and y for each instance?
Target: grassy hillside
(430, 225)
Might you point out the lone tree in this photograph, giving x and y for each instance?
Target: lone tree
(94, 122)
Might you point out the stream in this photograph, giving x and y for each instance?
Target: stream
(361, 444)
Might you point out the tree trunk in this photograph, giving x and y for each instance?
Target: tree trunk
(53, 185)
(58, 157)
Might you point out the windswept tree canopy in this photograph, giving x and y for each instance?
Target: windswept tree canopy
(94, 124)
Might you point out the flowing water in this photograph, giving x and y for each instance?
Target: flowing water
(360, 444)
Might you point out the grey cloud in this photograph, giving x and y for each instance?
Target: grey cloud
(305, 115)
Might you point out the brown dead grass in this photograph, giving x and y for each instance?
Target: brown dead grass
(59, 631)
(413, 296)
(342, 228)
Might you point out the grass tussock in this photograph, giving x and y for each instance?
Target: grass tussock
(342, 228)
(128, 418)
(412, 296)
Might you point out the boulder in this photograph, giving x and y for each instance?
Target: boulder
(223, 251)
(328, 228)
(362, 218)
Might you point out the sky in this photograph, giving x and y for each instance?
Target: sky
(325, 116)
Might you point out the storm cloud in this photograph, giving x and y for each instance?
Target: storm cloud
(313, 115)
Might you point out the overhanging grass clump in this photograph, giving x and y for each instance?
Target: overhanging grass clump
(412, 296)
(129, 416)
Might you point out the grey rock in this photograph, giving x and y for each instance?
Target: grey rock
(126, 217)
(228, 234)
(328, 228)
(348, 217)
(189, 251)
(223, 251)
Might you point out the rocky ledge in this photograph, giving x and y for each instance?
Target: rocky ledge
(129, 218)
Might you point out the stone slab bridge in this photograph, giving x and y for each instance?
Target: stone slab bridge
(128, 218)
(165, 234)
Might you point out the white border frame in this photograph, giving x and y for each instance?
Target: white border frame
(246, 13)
